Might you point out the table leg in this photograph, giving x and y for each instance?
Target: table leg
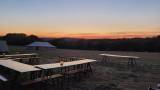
(105, 60)
(131, 62)
(89, 67)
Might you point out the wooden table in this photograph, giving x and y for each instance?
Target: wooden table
(17, 71)
(68, 59)
(17, 66)
(20, 55)
(32, 58)
(65, 64)
(3, 58)
(67, 69)
(131, 59)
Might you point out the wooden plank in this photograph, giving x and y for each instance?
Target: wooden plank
(4, 58)
(119, 56)
(17, 66)
(65, 64)
(2, 78)
(18, 55)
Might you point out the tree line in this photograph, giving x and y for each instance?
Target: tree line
(19, 38)
(151, 44)
(133, 44)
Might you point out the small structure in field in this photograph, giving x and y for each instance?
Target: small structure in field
(40, 46)
(3, 47)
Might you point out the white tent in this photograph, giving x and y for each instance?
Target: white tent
(40, 46)
(3, 47)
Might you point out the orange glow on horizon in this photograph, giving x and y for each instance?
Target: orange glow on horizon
(101, 36)
(87, 32)
(96, 35)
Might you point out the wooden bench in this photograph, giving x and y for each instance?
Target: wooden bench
(72, 72)
(41, 79)
(76, 71)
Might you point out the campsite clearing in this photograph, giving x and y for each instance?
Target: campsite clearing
(115, 76)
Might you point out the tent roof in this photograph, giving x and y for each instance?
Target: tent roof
(3, 46)
(41, 44)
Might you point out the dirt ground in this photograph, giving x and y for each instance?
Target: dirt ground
(115, 76)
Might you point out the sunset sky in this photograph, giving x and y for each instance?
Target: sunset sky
(81, 18)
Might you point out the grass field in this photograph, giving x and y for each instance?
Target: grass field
(115, 76)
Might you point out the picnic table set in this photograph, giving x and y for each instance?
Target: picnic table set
(14, 70)
(24, 74)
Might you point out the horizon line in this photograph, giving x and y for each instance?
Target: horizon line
(94, 35)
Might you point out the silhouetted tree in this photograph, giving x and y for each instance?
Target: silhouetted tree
(19, 38)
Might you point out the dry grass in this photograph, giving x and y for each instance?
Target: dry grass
(113, 77)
